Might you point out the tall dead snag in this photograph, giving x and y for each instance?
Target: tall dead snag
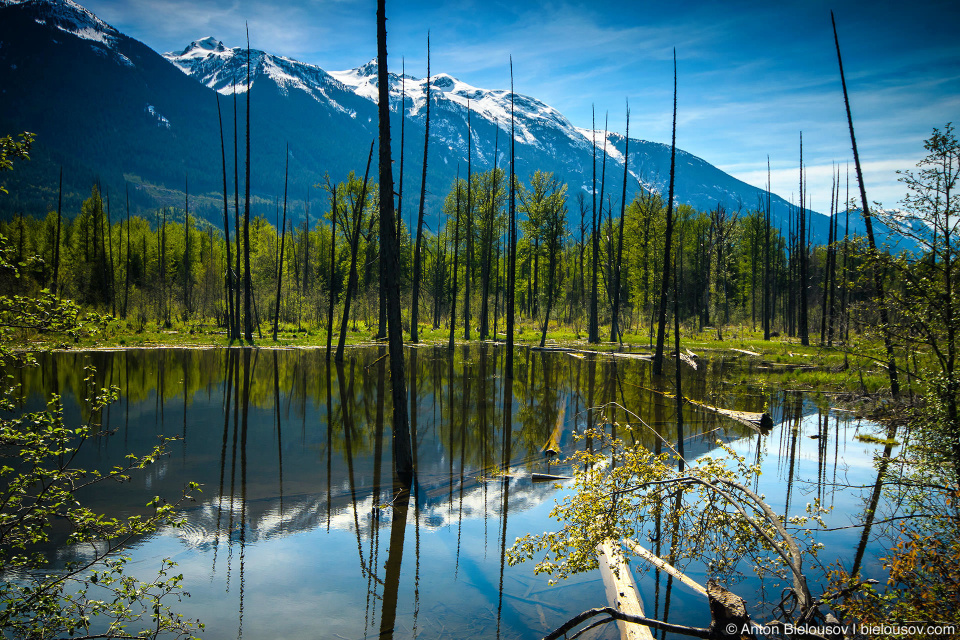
(126, 278)
(456, 263)
(668, 237)
(306, 255)
(111, 284)
(593, 331)
(186, 250)
(469, 229)
(247, 282)
(804, 327)
(235, 330)
(283, 236)
(618, 264)
(402, 452)
(547, 209)
(512, 267)
(486, 240)
(56, 247)
(603, 186)
(766, 260)
(226, 225)
(868, 222)
(353, 235)
(417, 259)
(826, 303)
(403, 118)
(333, 260)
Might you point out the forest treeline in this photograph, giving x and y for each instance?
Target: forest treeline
(170, 267)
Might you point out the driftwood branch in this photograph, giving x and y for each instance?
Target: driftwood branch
(664, 566)
(696, 632)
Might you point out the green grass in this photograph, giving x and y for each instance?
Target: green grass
(787, 364)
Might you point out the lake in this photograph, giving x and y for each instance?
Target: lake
(299, 531)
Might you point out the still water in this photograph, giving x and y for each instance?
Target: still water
(299, 532)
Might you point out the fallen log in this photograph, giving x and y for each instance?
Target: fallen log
(758, 421)
(552, 445)
(621, 590)
(547, 477)
(664, 566)
(633, 356)
(749, 353)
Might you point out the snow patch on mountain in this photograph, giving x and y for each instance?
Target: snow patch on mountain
(530, 115)
(161, 120)
(224, 70)
(69, 17)
(590, 135)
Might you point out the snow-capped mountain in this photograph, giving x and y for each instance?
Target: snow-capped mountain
(69, 17)
(106, 106)
(545, 139)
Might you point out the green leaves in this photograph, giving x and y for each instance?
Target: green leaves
(93, 595)
(705, 513)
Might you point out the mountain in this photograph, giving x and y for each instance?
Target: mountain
(544, 138)
(107, 107)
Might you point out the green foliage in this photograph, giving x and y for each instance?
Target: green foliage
(706, 510)
(11, 149)
(93, 597)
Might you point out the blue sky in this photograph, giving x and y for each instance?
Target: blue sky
(752, 75)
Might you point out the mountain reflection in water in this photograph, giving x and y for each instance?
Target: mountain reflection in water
(301, 529)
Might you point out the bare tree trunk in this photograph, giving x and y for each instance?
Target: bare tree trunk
(333, 258)
(618, 265)
(354, 243)
(186, 249)
(469, 229)
(235, 329)
(402, 453)
(226, 226)
(512, 268)
(668, 239)
(487, 246)
(110, 270)
(802, 253)
(126, 279)
(247, 283)
(767, 312)
(417, 259)
(877, 276)
(56, 252)
(593, 330)
(456, 265)
(283, 235)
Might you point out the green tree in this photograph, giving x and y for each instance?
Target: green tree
(545, 206)
(928, 304)
(14, 149)
(93, 597)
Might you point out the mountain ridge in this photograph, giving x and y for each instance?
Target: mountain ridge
(163, 130)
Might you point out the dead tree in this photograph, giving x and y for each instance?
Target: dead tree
(668, 236)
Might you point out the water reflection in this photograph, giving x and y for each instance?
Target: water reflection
(303, 528)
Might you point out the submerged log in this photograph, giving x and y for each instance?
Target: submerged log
(728, 613)
(758, 421)
(664, 566)
(547, 477)
(552, 445)
(621, 590)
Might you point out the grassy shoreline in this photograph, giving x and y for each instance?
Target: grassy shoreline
(784, 361)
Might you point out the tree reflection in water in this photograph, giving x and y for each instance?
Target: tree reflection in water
(295, 514)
